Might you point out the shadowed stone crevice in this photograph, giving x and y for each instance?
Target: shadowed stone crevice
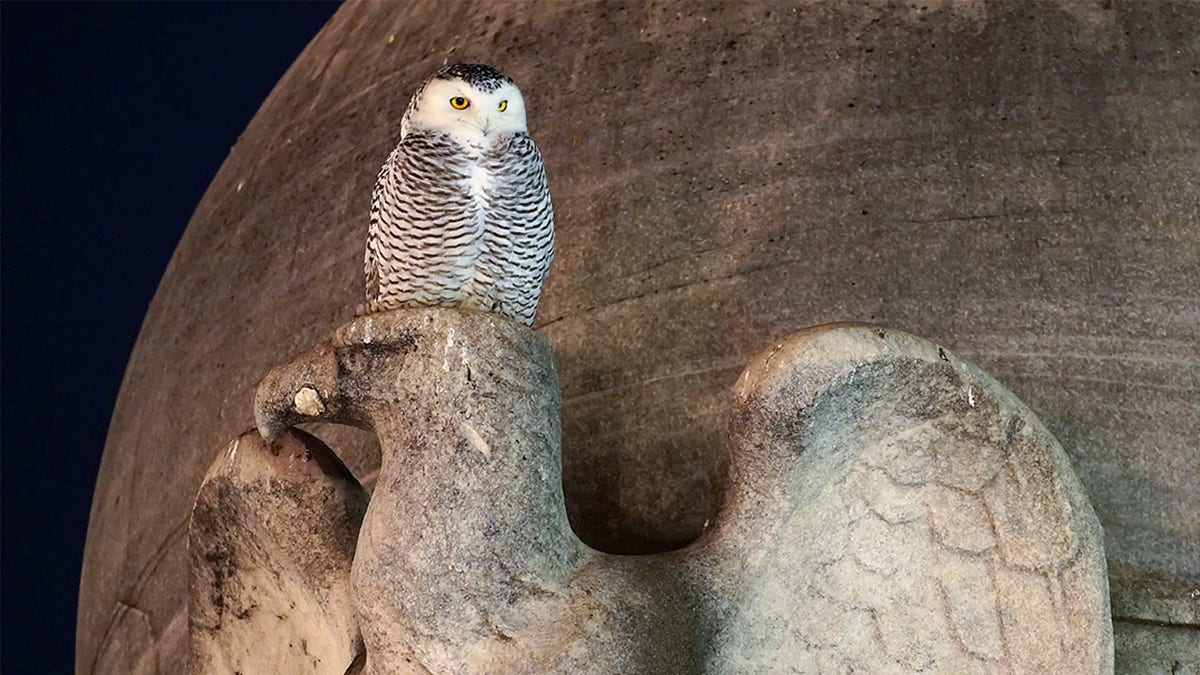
(838, 545)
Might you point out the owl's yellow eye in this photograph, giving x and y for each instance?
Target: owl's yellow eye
(459, 103)
(503, 106)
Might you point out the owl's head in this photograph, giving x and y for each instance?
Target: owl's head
(472, 102)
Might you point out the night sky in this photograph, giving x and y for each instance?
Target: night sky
(115, 118)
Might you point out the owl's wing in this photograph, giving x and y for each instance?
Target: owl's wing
(520, 179)
(518, 242)
(371, 255)
(425, 228)
(894, 509)
(541, 236)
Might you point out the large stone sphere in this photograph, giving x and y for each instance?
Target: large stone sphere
(1016, 181)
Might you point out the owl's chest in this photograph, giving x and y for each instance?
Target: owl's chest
(478, 182)
(480, 173)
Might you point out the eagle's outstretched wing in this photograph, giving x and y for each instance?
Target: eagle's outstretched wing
(895, 509)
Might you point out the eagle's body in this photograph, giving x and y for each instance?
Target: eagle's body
(461, 214)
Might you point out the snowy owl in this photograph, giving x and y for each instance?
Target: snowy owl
(461, 213)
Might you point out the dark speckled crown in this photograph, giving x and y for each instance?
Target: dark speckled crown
(481, 76)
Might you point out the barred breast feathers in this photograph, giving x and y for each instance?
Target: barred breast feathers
(425, 227)
(460, 226)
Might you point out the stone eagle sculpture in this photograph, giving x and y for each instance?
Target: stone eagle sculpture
(888, 508)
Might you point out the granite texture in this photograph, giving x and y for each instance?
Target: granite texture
(888, 508)
(1018, 181)
(271, 539)
(1156, 648)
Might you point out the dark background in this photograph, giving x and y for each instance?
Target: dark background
(114, 118)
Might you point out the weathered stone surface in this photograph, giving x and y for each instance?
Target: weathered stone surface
(466, 561)
(1016, 179)
(899, 583)
(1145, 649)
(272, 536)
(818, 561)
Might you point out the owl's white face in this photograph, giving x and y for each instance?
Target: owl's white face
(469, 115)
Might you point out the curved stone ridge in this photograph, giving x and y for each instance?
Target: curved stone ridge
(889, 508)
